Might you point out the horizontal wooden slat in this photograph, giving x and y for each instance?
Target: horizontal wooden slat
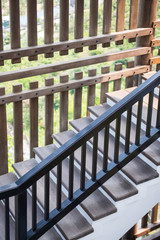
(155, 60)
(155, 42)
(77, 43)
(72, 84)
(30, 72)
(156, 24)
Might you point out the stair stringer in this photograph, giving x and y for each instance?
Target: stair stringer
(129, 212)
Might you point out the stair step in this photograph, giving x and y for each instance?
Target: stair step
(4, 180)
(96, 205)
(154, 236)
(153, 151)
(73, 225)
(112, 187)
(137, 170)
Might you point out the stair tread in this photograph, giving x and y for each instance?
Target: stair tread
(154, 236)
(73, 225)
(96, 205)
(116, 191)
(99, 109)
(137, 169)
(147, 75)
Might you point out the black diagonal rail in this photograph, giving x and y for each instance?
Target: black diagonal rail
(19, 188)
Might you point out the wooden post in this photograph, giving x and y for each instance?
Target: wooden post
(64, 105)
(147, 13)
(1, 35)
(104, 86)
(78, 97)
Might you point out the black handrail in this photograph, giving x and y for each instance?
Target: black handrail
(19, 188)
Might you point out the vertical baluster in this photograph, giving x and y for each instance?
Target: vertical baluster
(59, 185)
(18, 126)
(21, 216)
(34, 206)
(120, 18)
(32, 26)
(104, 86)
(15, 27)
(129, 80)
(128, 130)
(155, 214)
(79, 20)
(158, 112)
(83, 166)
(144, 221)
(106, 143)
(93, 21)
(117, 82)
(71, 176)
(138, 125)
(64, 23)
(133, 17)
(149, 114)
(107, 17)
(78, 97)
(3, 137)
(1, 34)
(46, 196)
(64, 105)
(117, 139)
(94, 156)
(49, 103)
(7, 220)
(48, 24)
(33, 119)
(91, 90)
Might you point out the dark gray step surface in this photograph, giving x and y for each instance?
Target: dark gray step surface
(154, 236)
(73, 225)
(153, 151)
(118, 191)
(49, 235)
(137, 170)
(96, 205)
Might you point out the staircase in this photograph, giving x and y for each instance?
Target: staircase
(117, 204)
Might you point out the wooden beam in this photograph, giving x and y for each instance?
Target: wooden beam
(156, 24)
(77, 43)
(155, 60)
(155, 42)
(48, 68)
(74, 84)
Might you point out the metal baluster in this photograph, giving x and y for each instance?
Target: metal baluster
(138, 126)
(94, 158)
(158, 112)
(71, 176)
(34, 206)
(46, 196)
(83, 166)
(149, 114)
(59, 185)
(7, 223)
(128, 130)
(117, 136)
(105, 153)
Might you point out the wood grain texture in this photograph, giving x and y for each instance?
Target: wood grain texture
(32, 26)
(48, 24)
(3, 137)
(64, 23)
(79, 21)
(15, 27)
(117, 82)
(107, 15)
(78, 97)
(18, 125)
(49, 103)
(91, 90)
(1, 35)
(33, 119)
(64, 105)
(133, 16)
(120, 18)
(129, 80)
(104, 86)
(93, 22)
(158, 65)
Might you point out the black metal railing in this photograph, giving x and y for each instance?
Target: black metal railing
(109, 168)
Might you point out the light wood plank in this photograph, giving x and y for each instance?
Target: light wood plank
(155, 42)
(48, 24)
(64, 23)
(117, 82)
(33, 119)
(18, 125)
(129, 80)
(120, 17)
(133, 16)
(79, 20)
(93, 23)
(107, 16)
(64, 105)
(104, 86)
(49, 104)
(78, 97)
(156, 24)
